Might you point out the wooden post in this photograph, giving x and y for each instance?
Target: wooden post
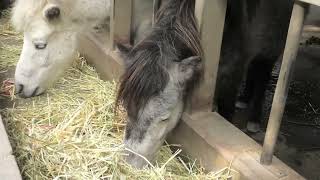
(211, 16)
(120, 21)
(281, 92)
(156, 6)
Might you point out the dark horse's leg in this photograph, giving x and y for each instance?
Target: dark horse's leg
(246, 95)
(230, 74)
(232, 61)
(258, 76)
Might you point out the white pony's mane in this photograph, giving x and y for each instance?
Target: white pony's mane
(83, 11)
(24, 10)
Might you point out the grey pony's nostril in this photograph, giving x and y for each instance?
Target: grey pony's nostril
(34, 93)
(19, 88)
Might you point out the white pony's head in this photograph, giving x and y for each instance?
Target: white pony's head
(50, 29)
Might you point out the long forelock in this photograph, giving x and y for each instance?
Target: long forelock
(174, 37)
(24, 11)
(145, 78)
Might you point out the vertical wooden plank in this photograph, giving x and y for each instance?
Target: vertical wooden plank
(211, 17)
(281, 92)
(199, 11)
(120, 21)
(156, 6)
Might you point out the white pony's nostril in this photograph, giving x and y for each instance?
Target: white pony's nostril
(34, 93)
(25, 93)
(40, 45)
(19, 88)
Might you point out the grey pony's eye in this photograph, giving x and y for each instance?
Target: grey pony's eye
(40, 45)
(164, 120)
(165, 117)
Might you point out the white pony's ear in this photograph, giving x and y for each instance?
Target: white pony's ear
(51, 12)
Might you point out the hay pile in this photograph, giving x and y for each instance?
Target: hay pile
(71, 131)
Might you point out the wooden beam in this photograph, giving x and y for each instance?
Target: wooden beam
(107, 62)
(211, 16)
(281, 92)
(314, 2)
(216, 143)
(156, 6)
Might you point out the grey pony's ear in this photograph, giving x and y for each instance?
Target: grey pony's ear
(188, 67)
(51, 12)
(123, 48)
(124, 51)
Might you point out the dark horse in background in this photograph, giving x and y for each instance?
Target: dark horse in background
(254, 39)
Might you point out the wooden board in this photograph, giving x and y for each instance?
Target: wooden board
(216, 143)
(211, 17)
(314, 2)
(106, 61)
(8, 167)
(120, 21)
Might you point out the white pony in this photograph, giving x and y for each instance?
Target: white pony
(50, 29)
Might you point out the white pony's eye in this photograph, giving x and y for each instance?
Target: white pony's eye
(40, 45)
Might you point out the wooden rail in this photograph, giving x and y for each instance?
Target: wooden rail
(210, 15)
(314, 2)
(8, 167)
(203, 134)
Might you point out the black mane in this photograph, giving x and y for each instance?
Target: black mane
(174, 37)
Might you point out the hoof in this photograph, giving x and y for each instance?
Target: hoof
(253, 127)
(241, 105)
(259, 137)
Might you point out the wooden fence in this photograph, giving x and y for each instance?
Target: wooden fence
(203, 134)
